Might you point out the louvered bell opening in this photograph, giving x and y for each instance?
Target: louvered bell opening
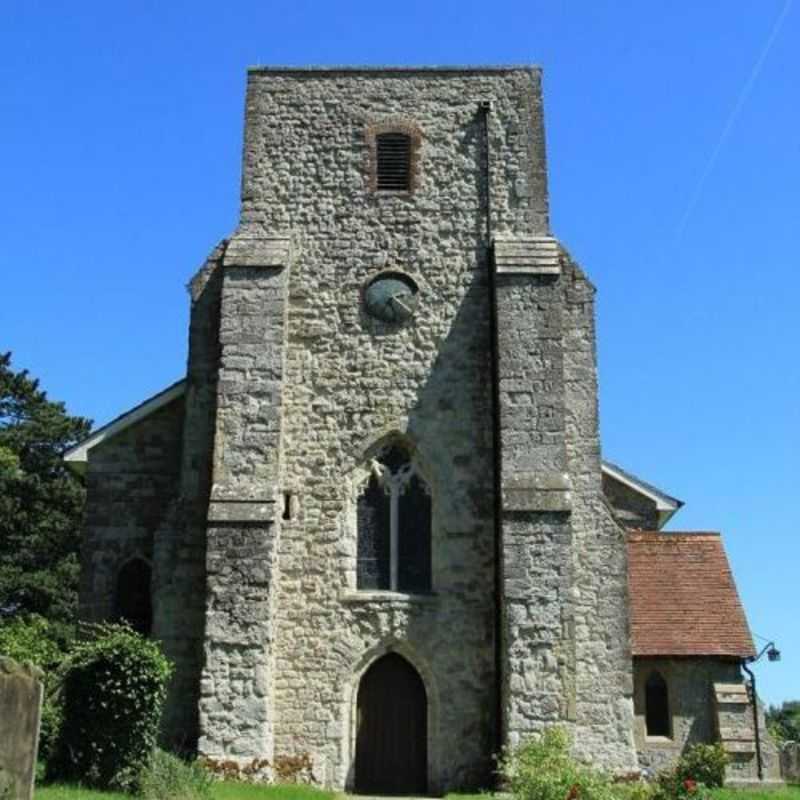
(394, 162)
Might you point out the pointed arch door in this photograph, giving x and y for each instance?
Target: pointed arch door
(392, 730)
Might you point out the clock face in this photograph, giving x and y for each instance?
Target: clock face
(391, 297)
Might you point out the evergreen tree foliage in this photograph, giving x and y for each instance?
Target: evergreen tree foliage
(41, 501)
(784, 721)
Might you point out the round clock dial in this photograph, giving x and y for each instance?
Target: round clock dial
(391, 297)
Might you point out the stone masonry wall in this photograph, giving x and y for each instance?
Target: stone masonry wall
(690, 688)
(131, 480)
(180, 542)
(604, 681)
(237, 704)
(538, 629)
(351, 381)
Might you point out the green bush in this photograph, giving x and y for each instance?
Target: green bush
(543, 769)
(703, 763)
(699, 769)
(634, 790)
(32, 638)
(43, 643)
(166, 777)
(114, 685)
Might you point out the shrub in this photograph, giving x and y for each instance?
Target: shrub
(637, 789)
(114, 685)
(700, 768)
(31, 638)
(703, 763)
(542, 769)
(166, 777)
(43, 643)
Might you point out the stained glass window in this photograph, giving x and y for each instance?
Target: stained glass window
(373, 537)
(414, 522)
(394, 526)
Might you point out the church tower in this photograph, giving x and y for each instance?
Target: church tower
(405, 497)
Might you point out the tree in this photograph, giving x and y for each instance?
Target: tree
(41, 501)
(784, 721)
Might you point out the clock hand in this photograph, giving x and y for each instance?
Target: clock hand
(394, 297)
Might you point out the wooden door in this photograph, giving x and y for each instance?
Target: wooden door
(392, 730)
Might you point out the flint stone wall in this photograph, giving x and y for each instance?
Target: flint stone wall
(352, 381)
(21, 691)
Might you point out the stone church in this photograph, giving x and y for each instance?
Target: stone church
(371, 526)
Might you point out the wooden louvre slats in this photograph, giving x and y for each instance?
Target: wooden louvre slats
(394, 162)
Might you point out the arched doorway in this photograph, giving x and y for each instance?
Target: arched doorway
(392, 729)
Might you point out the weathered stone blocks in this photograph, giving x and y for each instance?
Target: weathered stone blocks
(21, 692)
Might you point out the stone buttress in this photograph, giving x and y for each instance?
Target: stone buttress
(236, 710)
(565, 649)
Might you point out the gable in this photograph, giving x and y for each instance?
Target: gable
(78, 456)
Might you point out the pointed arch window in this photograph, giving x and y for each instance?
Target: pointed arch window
(132, 602)
(394, 525)
(656, 706)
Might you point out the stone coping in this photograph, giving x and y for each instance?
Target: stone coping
(389, 68)
(379, 596)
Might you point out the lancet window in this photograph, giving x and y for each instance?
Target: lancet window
(132, 602)
(656, 703)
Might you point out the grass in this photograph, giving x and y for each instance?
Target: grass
(223, 790)
(227, 790)
(58, 791)
(791, 792)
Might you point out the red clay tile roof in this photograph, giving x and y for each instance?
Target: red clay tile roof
(683, 597)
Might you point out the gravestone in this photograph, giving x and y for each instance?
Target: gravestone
(21, 693)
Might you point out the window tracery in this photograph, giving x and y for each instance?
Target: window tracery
(394, 525)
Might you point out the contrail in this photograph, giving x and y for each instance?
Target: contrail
(732, 117)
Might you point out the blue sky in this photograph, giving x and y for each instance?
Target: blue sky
(673, 135)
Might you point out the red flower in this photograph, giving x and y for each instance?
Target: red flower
(690, 785)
